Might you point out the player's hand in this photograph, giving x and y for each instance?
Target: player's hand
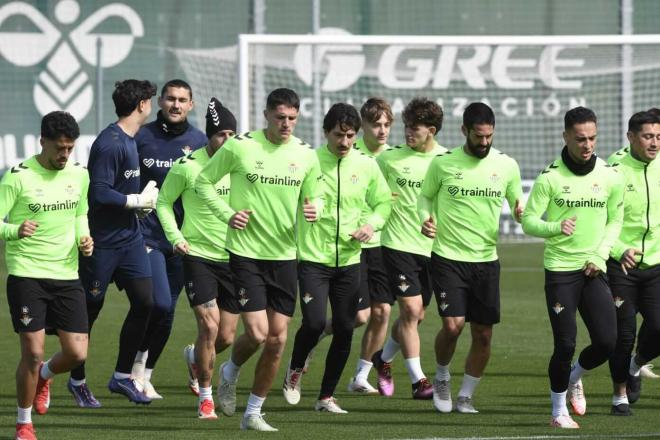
(27, 228)
(86, 245)
(143, 213)
(591, 270)
(363, 234)
(428, 228)
(240, 219)
(146, 199)
(518, 211)
(568, 225)
(628, 260)
(182, 248)
(309, 211)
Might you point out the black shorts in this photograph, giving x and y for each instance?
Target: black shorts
(408, 274)
(261, 284)
(36, 303)
(373, 279)
(471, 290)
(206, 281)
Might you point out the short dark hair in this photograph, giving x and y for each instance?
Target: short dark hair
(344, 115)
(579, 115)
(282, 96)
(57, 124)
(640, 118)
(421, 110)
(655, 111)
(129, 93)
(478, 113)
(178, 83)
(374, 108)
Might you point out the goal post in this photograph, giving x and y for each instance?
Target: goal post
(529, 81)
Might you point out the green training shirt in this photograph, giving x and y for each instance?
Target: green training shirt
(641, 208)
(618, 155)
(351, 187)
(468, 193)
(404, 169)
(597, 201)
(272, 181)
(362, 147)
(57, 201)
(203, 231)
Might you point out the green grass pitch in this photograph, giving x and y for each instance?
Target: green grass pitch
(513, 397)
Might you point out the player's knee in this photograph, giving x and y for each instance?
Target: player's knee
(342, 327)
(225, 338)
(315, 326)
(362, 317)
(411, 313)
(257, 334)
(33, 358)
(482, 339)
(77, 355)
(564, 352)
(380, 313)
(275, 342)
(452, 330)
(208, 329)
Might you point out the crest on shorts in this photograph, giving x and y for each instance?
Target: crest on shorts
(618, 301)
(25, 316)
(443, 305)
(403, 284)
(443, 294)
(96, 288)
(242, 297)
(558, 308)
(190, 289)
(307, 298)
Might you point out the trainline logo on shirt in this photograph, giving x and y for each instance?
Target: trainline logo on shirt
(581, 203)
(273, 180)
(56, 206)
(474, 192)
(409, 182)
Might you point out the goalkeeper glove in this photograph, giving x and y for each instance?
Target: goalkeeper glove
(146, 199)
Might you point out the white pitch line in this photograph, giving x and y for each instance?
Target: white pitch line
(547, 437)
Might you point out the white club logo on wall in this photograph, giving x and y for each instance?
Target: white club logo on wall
(345, 63)
(63, 84)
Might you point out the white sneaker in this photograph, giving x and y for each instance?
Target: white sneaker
(292, 385)
(329, 405)
(464, 405)
(442, 395)
(149, 390)
(256, 422)
(226, 394)
(362, 386)
(647, 372)
(575, 395)
(189, 357)
(564, 421)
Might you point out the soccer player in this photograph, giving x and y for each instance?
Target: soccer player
(201, 242)
(634, 265)
(44, 203)
(460, 205)
(329, 251)
(582, 199)
(159, 144)
(375, 300)
(406, 251)
(272, 175)
(120, 254)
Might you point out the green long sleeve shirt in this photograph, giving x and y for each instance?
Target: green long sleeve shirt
(355, 193)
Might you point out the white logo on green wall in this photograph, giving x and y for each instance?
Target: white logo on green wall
(63, 84)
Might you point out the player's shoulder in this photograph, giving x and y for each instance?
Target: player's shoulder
(16, 174)
(503, 159)
(552, 169)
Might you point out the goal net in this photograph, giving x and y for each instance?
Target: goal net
(529, 81)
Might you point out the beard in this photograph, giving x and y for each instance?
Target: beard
(478, 150)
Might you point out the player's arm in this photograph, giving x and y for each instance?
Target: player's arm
(83, 236)
(532, 219)
(102, 174)
(379, 200)
(311, 192)
(514, 193)
(430, 188)
(219, 166)
(9, 189)
(174, 185)
(614, 222)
